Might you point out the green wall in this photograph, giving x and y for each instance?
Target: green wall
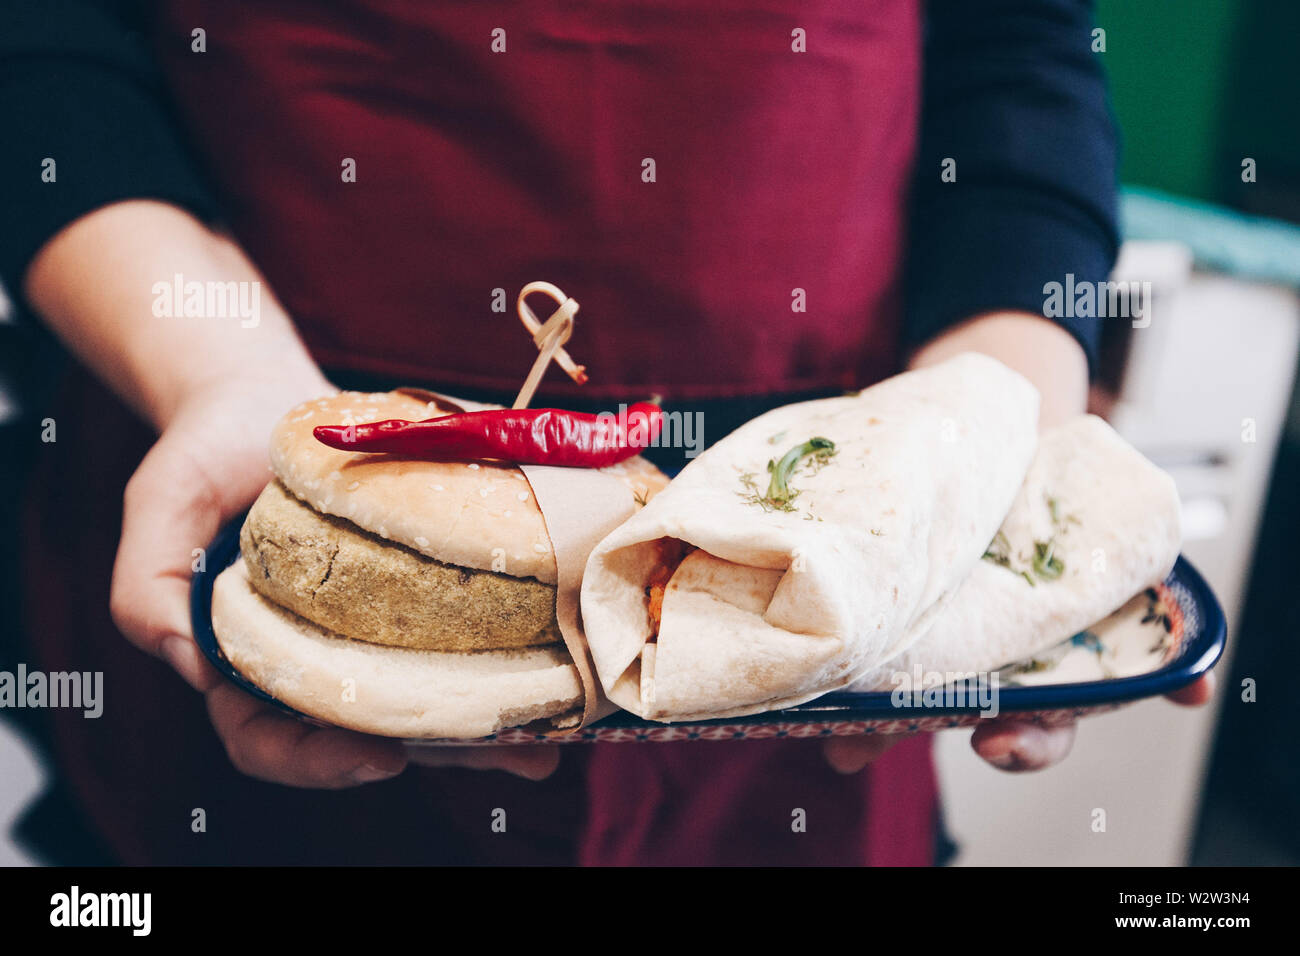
(1169, 63)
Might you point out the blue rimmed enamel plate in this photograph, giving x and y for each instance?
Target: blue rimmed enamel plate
(1161, 640)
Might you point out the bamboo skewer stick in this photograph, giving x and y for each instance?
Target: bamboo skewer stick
(549, 337)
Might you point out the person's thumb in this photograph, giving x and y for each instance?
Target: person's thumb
(170, 514)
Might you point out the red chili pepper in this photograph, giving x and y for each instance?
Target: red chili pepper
(526, 436)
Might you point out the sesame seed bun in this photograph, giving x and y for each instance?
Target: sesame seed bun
(472, 514)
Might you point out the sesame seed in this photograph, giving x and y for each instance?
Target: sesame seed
(523, 496)
(421, 542)
(473, 465)
(353, 486)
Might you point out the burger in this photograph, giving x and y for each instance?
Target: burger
(399, 596)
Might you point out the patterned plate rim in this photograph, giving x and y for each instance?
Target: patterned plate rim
(1205, 635)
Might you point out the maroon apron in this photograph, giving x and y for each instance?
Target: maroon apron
(777, 176)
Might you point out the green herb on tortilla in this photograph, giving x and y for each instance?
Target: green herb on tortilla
(779, 491)
(780, 495)
(999, 550)
(1046, 564)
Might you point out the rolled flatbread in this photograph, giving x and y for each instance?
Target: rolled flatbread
(1111, 518)
(782, 600)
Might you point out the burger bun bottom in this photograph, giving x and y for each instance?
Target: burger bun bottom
(388, 691)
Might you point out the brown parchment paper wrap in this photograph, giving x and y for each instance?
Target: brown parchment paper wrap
(580, 508)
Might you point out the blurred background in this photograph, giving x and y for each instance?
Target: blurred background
(1205, 91)
(1200, 88)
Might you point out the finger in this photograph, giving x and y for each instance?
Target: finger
(1196, 693)
(187, 660)
(850, 754)
(168, 511)
(271, 746)
(1017, 746)
(531, 761)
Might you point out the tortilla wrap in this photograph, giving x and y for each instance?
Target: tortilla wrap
(780, 606)
(1116, 531)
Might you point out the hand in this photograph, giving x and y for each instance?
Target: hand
(1050, 358)
(850, 754)
(1005, 742)
(1017, 745)
(206, 468)
(214, 388)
